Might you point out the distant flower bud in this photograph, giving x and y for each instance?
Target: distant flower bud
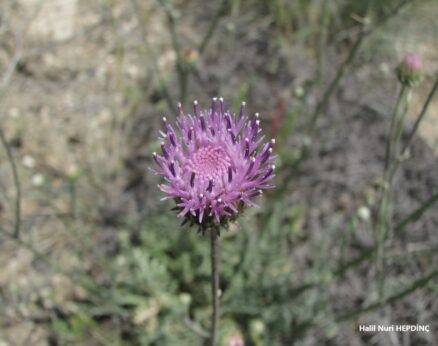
(235, 340)
(410, 69)
(191, 56)
(38, 180)
(28, 161)
(185, 298)
(72, 172)
(364, 213)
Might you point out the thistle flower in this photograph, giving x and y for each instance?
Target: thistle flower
(215, 163)
(409, 70)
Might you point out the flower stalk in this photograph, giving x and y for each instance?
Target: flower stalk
(409, 72)
(213, 163)
(10, 158)
(214, 237)
(397, 123)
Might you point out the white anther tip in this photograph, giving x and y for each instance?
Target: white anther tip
(195, 102)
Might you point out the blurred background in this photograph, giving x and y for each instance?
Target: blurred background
(97, 259)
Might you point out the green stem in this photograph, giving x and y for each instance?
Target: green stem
(322, 40)
(153, 59)
(417, 213)
(397, 122)
(210, 31)
(417, 284)
(414, 130)
(392, 163)
(297, 291)
(334, 83)
(181, 67)
(365, 31)
(399, 130)
(17, 185)
(414, 216)
(72, 189)
(214, 284)
(421, 116)
(389, 143)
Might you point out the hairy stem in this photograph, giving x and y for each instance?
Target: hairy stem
(214, 284)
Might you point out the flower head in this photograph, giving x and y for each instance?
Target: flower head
(214, 163)
(409, 70)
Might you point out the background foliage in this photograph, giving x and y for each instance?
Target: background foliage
(99, 260)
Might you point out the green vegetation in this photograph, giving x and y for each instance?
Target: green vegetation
(92, 257)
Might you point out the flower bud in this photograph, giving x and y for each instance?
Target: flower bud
(409, 70)
(191, 56)
(364, 213)
(28, 161)
(72, 172)
(38, 180)
(235, 340)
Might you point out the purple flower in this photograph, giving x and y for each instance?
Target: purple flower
(214, 162)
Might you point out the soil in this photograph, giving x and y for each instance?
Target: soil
(74, 87)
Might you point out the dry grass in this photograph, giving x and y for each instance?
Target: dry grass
(82, 89)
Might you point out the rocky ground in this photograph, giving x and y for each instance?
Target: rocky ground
(78, 106)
